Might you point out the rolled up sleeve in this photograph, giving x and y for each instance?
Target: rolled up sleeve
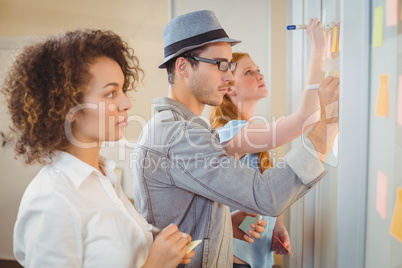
(305, 163)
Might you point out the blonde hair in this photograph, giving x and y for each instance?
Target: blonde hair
(220, 115)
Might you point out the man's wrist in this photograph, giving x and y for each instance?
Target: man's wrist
(323, 136)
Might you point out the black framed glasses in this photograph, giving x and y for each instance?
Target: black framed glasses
(222, 65)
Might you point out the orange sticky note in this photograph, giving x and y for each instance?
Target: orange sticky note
(329, 46)
(401, 14)
(396, 223)
(378, 26)
(382, 106)
(399, 102)
(336, 74)
(392, 13)
(382, 187)
(334, 47)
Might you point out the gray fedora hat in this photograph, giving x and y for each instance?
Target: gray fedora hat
(192, 30)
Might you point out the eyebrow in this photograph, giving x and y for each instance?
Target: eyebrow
(223, 59)
(111, 84)
(252, 67)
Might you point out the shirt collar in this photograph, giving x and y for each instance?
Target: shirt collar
(77, 170)
(171, 104)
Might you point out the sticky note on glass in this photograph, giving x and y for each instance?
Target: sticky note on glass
(382, 187)
(382, 105)
(190, 246)
(378, 26)
(245, 225)
(401, 14)
(396, 223)
(391, 16)
(399, 102)
(336, 74)
(334, 47)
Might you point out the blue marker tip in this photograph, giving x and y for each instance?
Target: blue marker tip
(296, 27)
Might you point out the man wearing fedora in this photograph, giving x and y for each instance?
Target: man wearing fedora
(181, 174)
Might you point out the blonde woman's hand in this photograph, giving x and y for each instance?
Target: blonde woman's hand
(283, 235)
(316, 36)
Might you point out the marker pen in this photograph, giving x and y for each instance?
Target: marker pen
(313, 86)
(296, 27)
(284, 246)
(326, 27)
(329, 26)
(153, 229)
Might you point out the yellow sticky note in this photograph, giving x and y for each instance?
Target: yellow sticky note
(382, 106)
(399, 102)
(329, 45)
(378, 26)
(334, 47)
(396, 223)
(382, 187)
(190, 246)
(336, 74)
(392, 13)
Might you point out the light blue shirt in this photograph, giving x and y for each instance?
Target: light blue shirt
(257, 254)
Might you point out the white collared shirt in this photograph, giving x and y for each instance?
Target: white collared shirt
(73, 216)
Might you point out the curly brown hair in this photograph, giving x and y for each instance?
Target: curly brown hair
(47, 80)
(220, 115)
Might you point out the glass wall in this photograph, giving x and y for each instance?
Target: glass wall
(384, 202)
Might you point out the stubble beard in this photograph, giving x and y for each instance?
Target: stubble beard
(204, 92)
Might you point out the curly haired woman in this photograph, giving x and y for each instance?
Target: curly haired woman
(66, 96)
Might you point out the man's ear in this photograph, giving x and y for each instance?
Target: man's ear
(231, 91)
(181, 66)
